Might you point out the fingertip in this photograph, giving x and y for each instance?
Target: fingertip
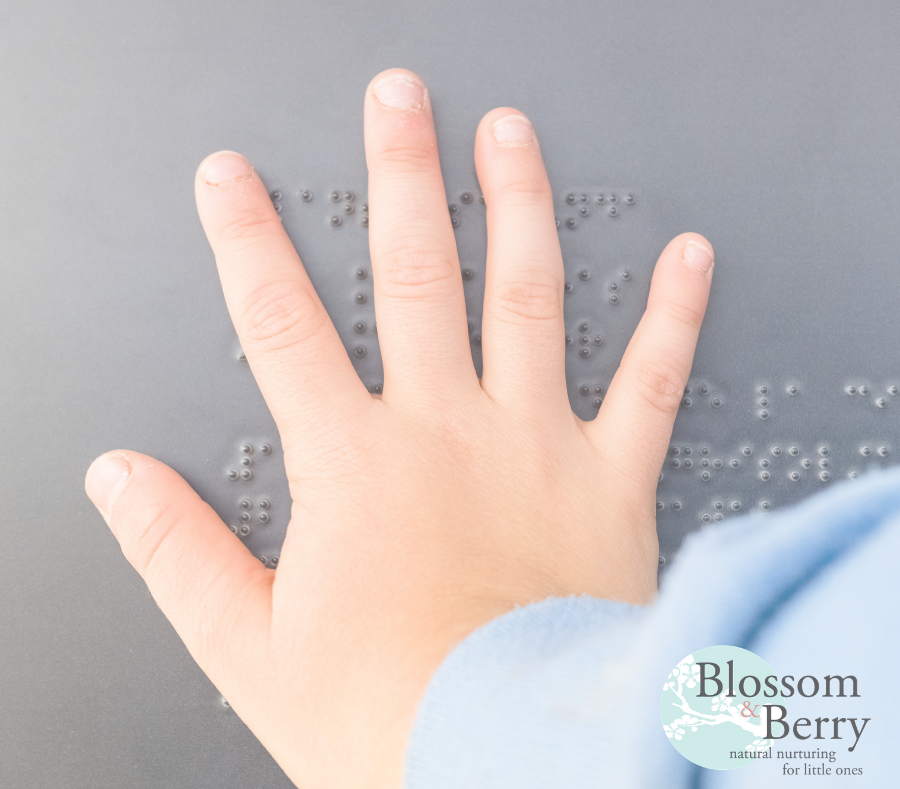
(222, 168)
(398, 89)
(105, 479)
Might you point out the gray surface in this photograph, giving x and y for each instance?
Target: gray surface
(771, 130)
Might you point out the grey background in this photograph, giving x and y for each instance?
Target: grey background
(770, 127)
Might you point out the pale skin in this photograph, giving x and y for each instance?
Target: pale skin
(421, 515)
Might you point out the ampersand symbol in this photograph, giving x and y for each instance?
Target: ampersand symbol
(747, 709)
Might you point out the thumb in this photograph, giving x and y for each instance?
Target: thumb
(215, 593)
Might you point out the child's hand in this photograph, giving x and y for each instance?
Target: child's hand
(422, 515)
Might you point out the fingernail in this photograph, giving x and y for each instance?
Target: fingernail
(513, 131)
(400, 92)
(225, 167)
(105, 479)
(697, 256)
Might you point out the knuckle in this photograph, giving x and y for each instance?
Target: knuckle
(401, 157)
(248, 224)
(531, 298)
(278, 315)
(682, 314)
(415, 264)
(151, 524)
(525, 188)
(661, 385)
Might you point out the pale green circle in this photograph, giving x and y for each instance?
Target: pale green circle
(719, 732)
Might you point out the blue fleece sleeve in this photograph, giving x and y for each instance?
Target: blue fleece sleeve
(565, 692)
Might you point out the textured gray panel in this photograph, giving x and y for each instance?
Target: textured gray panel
(769, 127)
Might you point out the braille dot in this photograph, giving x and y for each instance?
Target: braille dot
(883, 451)
(277, 206)
(585, 340)
(718, 517)
(706, 517)
(735, 463)
(881, 402)
(823, 451)
(569, 286)
(348, 209)
(247, 449)
(232, 475)
(361, 273)
(335, 197)
(601, 199)
(807, 463)
(688, 463)
(824, 476)
(794, 476)
(705, 476)
(598, 401)
(584, 276)
(264, 504)
(613, 199)
(454, 221)
(704, 390)
(765, 476)
(688, 451)
(763, 414)
(598, 390)
(453, 208)
(894, 390)
(274, 561)
(659, 506)
(764, 390)
(265, 449)
(626, 275)
(614, 299)
(765, 505)
(570, 199)
(376, 389)
(557, 222)
(263, 559)
(246, 462)
(360, 327)
(246, 474)
(688, 390)
(865, 452)
(365, 221)
(598, 340)
(481, 199)
(361, 298)
(687, 402)
(468, 275)
(583, 198)
(776, 451)
(612, 211)
(675, 451)
(629, 199)
(584, 328)
(662, 561)
(717, 464)
(735, 505)
(704, 451)
(244, 531)
(571, 223)
(823, 463)
(336, 221)
(716, 402)
(263, 517)
(224, 702)
(764, 463)
(763, 401)
(306, 195)
(676, 505)
(794, 452)
(569, 340)
(585, 352)
(793, 390)
(585, 390)
(365, 208)
(584, 210)
(359, 352)
(246, 504)
(276, 195)
(719, 505)
(613, 286)
(245, 517)
(747, 451)
(704, 463)
(851, 390)
(853, 474)
(864, 390)
(477, 340)
(465, 197)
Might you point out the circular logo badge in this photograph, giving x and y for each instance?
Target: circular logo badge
(713, 707)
